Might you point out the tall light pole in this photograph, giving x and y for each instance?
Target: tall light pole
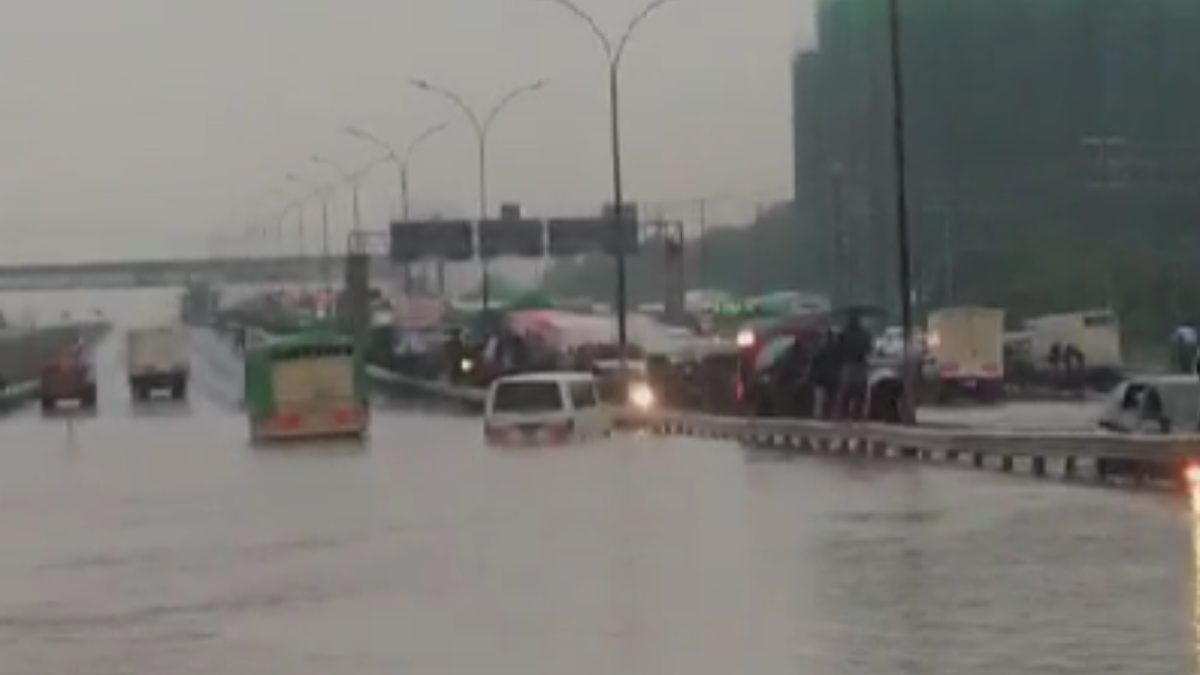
(289, 203)
(323, 194)
(904, 262)
(350, 177)
(401, 161)
(292, 178)
(482, 126)
(614, 50)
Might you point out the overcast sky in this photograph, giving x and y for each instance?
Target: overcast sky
(139, 127)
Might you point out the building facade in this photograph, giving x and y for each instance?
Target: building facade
(1030, 124)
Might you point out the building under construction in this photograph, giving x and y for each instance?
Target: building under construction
(1033, 127)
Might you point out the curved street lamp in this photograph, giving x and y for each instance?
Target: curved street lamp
(323, 193)
(350, 177)
(400, 159)
(614, 50)
(483, 126)
(289, 203)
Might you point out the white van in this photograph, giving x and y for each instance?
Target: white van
(545, 408)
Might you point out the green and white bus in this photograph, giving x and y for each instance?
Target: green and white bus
(309, 385)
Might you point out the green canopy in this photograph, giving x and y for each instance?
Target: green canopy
(506, 302)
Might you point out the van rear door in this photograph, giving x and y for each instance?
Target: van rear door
(528, 410)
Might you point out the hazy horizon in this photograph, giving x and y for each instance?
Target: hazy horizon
(138, 128)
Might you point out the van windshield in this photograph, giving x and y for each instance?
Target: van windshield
(527, 397)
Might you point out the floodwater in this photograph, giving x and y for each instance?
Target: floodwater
(156, 541)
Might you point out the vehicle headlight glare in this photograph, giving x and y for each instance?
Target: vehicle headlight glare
(641, 395)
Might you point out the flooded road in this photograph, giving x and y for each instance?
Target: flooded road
(158, 542)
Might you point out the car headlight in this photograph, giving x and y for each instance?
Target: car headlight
(466, 365)
(641, 395)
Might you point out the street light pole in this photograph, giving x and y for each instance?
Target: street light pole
(289, 204)
(352, 178)
(323, 193)
(614, 50)
(482, 126)
(910, 365)
(401, 161)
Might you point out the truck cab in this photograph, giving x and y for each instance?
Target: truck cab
(68, 378)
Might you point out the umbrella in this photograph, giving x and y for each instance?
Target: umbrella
(773, 351)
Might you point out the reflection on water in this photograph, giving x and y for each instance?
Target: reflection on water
(161, 409)
(1194, 501)
(166, 545)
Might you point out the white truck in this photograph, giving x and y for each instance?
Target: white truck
(156, 360)
(1096, 334)
(966, 350)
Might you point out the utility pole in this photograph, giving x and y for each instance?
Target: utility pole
(904, 262)
(702, 262)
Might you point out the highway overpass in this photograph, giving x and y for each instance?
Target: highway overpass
(159, 273)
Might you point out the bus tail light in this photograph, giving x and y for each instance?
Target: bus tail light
(347, 415)
(287, 421)
(1191, 474)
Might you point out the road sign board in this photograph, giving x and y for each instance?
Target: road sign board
(432, 240)
(520, 238)
(579, 236)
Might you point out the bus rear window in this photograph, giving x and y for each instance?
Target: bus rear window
(527, 397)
(312, 352)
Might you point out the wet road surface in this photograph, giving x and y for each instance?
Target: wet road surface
(159, 542)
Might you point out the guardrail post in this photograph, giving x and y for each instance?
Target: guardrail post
(1039, 466)
(1069, 468)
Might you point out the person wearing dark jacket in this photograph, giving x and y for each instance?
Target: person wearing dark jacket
(825, 372)
(854, 346)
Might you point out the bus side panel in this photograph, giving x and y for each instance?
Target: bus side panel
(361, 381)
(259, 391)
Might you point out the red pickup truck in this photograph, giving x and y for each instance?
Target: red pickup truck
(70, 378)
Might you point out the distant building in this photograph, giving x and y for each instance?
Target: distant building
(1026, 119)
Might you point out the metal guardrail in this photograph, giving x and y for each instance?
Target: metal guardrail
(1136, 457)
(471, 400)
(15, 395)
